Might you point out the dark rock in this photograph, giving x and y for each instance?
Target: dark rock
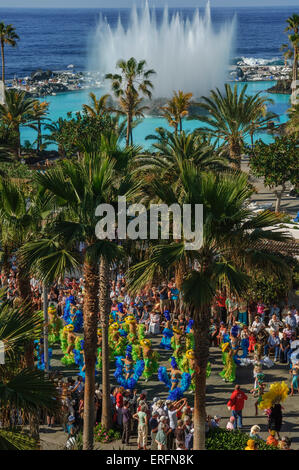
(40, 75)
(239, 72)
(282, 86)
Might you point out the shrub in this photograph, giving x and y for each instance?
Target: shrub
(221, 439)
(102, 435)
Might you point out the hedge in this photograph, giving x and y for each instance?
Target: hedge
(221, 439)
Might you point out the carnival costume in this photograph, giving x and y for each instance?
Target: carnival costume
(259, 387)
(177, 344)
(79, 358)
(76, 319)
(150, 359)
(39, 348)
(228, 373)
(67, 309)
(117, 341)
(54, 326)
(188, 364)
(277, 393)
(176, 386)
(135, 332)
(167, 333)
(127, 374)
(68, 357)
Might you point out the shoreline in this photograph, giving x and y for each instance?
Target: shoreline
(43, 83)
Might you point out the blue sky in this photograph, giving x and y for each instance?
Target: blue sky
(126, 3)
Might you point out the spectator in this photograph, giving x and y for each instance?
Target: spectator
(236, 405)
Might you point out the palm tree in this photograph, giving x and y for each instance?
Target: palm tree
(55, 129)
(9, 37)
(176, 109)
(127, 86)
(231, 233)
(17, 111)
(76, 188)
(172, 150)
(22, 212)
(39, 113)
(25, 390)
(231, 116)
(293, 28)
(293, 123)
(98, 107)
(287, 53)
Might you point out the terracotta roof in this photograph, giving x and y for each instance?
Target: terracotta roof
(290, 248)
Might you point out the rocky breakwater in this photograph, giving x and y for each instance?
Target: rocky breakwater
(47, 82)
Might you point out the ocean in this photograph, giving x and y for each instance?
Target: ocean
(55, 38)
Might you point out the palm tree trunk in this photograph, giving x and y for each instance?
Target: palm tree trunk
(295, 65)
(24, 289)
(39, 135)
(46, 321)
(90, 314)
(18, 142)
(180, 271)
(3, 62)
(201, 343)
(106, 419)
(5, 263)
(235, 154)
(278, 198)
(129, 125)
(25, 297)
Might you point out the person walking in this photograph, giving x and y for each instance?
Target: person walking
(236, 405)
(127, 418)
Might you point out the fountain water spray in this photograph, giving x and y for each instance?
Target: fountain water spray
(187, 54)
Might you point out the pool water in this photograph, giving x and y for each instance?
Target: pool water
(63, 103)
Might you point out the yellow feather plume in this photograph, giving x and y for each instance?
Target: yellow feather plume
(277, 393)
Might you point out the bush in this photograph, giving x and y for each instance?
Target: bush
(221, 439)
(102, 435)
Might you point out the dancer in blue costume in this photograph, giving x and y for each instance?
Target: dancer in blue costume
(67, 308)
(76, 317)
(39, 348)
(167, 333)
(177, 383)
(126, 374)
(189, 328)
(80, 360)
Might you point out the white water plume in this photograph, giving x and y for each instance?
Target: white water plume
(187, 54)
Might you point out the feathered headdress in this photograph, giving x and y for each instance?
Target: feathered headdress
(173, 363)
(278, 392)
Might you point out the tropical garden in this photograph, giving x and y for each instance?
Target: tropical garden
(46, 212)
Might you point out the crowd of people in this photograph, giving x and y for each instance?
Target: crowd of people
(264, 334)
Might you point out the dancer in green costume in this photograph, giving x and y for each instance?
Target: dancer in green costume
(55, 325)
(228, 373)
(150, 358)
(69, 357)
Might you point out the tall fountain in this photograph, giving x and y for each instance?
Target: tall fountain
(187, 54)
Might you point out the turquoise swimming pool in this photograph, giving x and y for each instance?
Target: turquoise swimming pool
(63, 103)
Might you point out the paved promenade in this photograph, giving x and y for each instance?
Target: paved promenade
(218, 393)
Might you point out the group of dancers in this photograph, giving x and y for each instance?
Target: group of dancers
(135, 357)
